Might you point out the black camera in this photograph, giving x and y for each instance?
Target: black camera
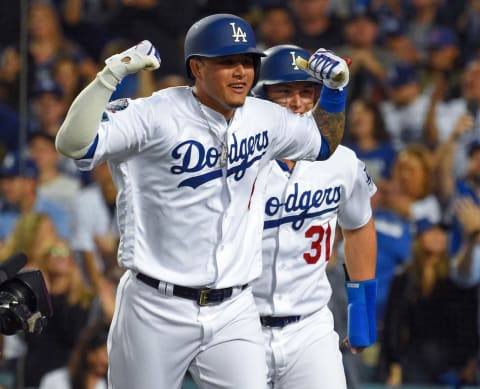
(25, 304)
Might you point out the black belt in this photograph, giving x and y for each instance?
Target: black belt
(278, 321)
(204, 296)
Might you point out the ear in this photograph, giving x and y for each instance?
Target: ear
(196, 66)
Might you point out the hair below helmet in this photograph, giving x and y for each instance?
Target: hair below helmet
(279, 67)
(218, 35)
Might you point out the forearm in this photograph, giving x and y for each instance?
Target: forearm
(463, 261)
(329, 114)
(360, 248)
(444, 163)
(80, 127)
(81, 124)
(361, 285)
(331, 126)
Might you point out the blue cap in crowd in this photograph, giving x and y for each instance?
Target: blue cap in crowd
(13, 166)
(441, 37)
(48, 86)
(423, 225)
(401, 74)
(473, 147)
(393, 27)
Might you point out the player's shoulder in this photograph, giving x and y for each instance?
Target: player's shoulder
(344, 154)
(262, 104)
(176, 93)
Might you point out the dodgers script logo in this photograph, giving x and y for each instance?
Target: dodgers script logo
(307, 203)
(194, 157)
(238, 33)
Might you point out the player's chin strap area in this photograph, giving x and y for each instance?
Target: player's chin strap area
(361, 322)
(203, 296)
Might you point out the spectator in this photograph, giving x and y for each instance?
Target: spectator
(66, 74)
(466, 263)
(10, 123)
(314, 23)
(33, 234)
(424, 15)
(395, 39)
(412, 179)
(449, 115)
(49, 108)
(446, 181)
(71, 302)
(95, 236)
(10, 77)
(47, 42)
(19, 183)
(86, 22)
(275, 27)
(369, 61)
(162, 22)
(465, 266)
(53, 184)
(88, 365)
(442, 62)
(465, 187)
(366, 135)
(394, 242)
(405, 110)
(468, 27)
(425, 342)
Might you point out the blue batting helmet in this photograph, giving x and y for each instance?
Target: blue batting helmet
(279, 66)
(218, 35)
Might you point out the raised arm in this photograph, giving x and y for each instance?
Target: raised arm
(329, 112)
(77, 135)
(445, 156)
(464, 264)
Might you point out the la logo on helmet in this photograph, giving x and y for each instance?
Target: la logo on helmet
(294, 64)
(238, 33)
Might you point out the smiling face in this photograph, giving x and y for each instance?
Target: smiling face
(222, 83)
(299, 97)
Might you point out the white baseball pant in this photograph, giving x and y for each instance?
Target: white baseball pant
(154, 339)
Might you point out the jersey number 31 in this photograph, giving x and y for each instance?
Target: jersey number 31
(320, 238)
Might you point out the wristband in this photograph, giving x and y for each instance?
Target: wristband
(108, 79)
(361, 322)
(332, 100)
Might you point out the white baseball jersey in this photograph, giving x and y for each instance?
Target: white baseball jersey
(301, 213)
(184, 217)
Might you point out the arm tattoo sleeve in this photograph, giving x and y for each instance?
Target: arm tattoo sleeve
(331, 126)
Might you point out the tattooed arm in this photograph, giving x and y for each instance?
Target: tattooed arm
(329, 112)
(331, 126)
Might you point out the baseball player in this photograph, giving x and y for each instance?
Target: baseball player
(304, 201)
(185, 162)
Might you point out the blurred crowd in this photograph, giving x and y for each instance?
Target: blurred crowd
(412, 117)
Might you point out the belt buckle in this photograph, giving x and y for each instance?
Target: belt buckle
(202, 298)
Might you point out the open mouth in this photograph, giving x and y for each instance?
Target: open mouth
(237, 87)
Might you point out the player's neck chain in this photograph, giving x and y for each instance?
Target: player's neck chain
(223, 142)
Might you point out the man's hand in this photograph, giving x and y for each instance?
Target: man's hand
(329, 68)
(468, 214)
(141, 56)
